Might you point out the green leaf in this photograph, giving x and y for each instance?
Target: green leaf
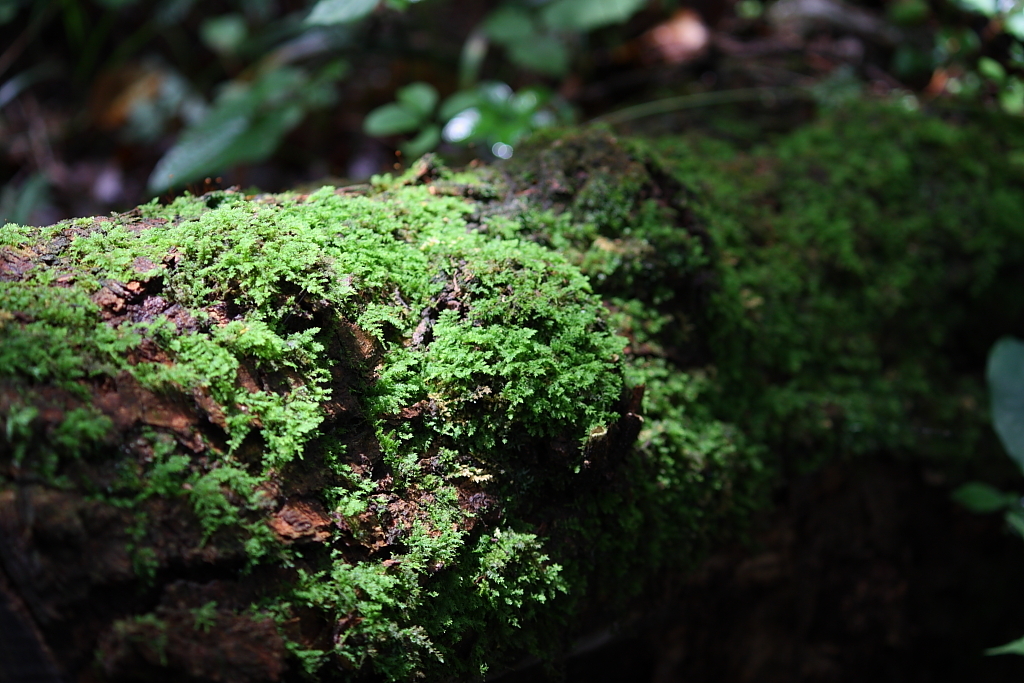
(391, 119)
(1011, 98)
(458, 102)
(418, 97)
(991, 69)
(328, 12)
(1005, 374)
(1015, 520)
(224, 34)
(245, 125)
(508, 25)
(987, 7)
(422, 143)
(1015, 647)
(544, 54)
(979, 497)
(199, 150)
(1014, 24)
(586, 15)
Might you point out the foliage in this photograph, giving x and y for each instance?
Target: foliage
(246, 123)
(1005, 375)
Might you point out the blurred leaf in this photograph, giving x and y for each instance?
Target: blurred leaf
(543, 54)
(474, 50)
(199, 150)
(1014, 24)
(245, 125)
(418, 97)
(586, 15)
(991, 69)
(1005, 374)
(982, 498)
(457, 102)
(509, 24)
(224, 34)
(1015, 520)
(391, 119)
(1013, 648)
(327, 12)
(422, 143)
(495, 92)
(987, 7)
(8, 10)
(1011, 97)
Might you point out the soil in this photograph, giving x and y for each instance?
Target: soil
(864, 572)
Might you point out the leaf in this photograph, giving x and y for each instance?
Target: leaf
(224, 34)
(419, 97)
(991, 69)
(328, 12)
(245, 125)
(1011, 97)
(1005, 374)
(508, 25)
(391, 119)
(1015, 647)
(979, 497)
(1015, 520)
(422, 143)
(1014, 24)
(458, 102)
(987, 7)
(199, 150)
(586, 15)
(544, 54)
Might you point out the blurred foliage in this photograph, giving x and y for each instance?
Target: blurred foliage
(206, 88)
(1005, 375)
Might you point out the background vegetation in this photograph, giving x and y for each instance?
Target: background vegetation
(104, 103)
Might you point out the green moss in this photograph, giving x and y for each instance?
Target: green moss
(450, 367)
(498, 344)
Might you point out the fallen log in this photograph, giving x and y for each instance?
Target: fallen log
(425, 426)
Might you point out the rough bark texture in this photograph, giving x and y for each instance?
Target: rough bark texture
(427, 426)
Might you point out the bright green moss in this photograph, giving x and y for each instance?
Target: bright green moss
(499, 343)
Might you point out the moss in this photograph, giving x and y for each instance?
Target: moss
(427, 424)
(230, 323)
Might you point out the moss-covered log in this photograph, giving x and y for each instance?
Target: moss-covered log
(421, 427)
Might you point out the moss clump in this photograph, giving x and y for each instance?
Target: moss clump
(231, 349)
(405, 423)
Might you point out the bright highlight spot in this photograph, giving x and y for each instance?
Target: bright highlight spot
(501, 150)
(461, 126)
